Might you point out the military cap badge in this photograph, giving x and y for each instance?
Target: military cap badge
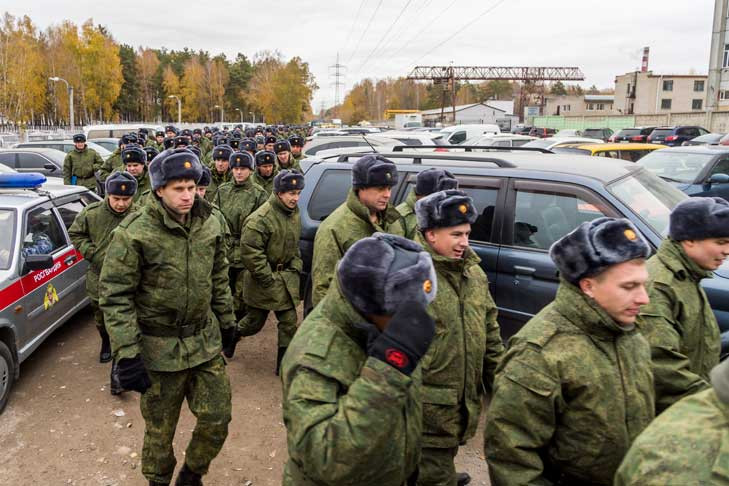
(427, 286)
(463, 208)
(187, 164)
(123, 187)
(630, 234)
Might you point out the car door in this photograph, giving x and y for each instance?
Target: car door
(32, 162)
(537, 213)
(74, 278)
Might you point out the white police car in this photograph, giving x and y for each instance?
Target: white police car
(42, 275)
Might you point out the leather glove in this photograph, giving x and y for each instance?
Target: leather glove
(228, 336)
(133, 374)
(406, 338)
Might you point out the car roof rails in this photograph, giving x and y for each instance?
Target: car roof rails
(470, 148)
(419, 157)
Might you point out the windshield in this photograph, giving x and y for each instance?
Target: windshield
(649, 197)
(571, 150)
(629, 132)
(675, 166)
(662, 132)
(542, 143)
(7, 233)
(709, 137)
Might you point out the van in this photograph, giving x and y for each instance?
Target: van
(460, 133)
(116, 131)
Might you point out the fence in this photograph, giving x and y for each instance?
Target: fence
(717, 122)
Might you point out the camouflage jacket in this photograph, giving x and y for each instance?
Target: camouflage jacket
(269, 249)
(161, 279)
(409, 221)
(265, 183)
(82, 164)
(144, 184)
(237, 202)
(350, 419)
(347, 224)
(572, 392)
(216, 180)
(91, 234)
(464, 353)
(686, 444)
(679, 325)
(114, 162)
(293, 164)
(152, 142)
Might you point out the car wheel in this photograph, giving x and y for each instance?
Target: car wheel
(7, 374)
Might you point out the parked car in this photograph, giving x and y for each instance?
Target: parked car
(500, 140)
(42, 275)
(64, 146)
(521, 130)
(631, 152)
(569, 132)
(675, 136)
(708, 139)
(459, 133)
(412, 139)
(697, 171)
(526, 201)
(542, 132)
(109, 143)
(345, 141)
(636, 134)
(46, 161)
(359, 130)
(603, 134)
(551, 142)
(116, 130)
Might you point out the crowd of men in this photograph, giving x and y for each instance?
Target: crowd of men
(196, 243)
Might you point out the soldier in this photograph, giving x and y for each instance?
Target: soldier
(248, 145)
(166, 303)
(135, 163)
(686, 444)
(91, 234)
(367, 210)
(265, 170)
(351, 380)
(158, 141)
(181, 141)
(168, 143)
(170, 131)
(221, 170)
(114, 162)
(427, 182)
(270, 253)
(468, 347)
(297, 145)
(679, 323)
(284, 160)
(575, 386)
(151, 152)
(260, 143)
(237, 199)
(269, 143)
(81, 164)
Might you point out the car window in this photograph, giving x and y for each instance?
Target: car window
(87, 198)
(541, 218)
(7, 223)
(69, 211)
(43, 233)
(519, 143)
(703, 131)
(610, 154)
(330, 192)
(484, 199)
(633, 155)
(7, 159)
(502, 143)
(457, 137)
(675, 166)
(409, 141)
(721, 167)
(27, 160)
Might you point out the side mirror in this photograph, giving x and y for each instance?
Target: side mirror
(719, 179)
(49, 166)
(38, 262)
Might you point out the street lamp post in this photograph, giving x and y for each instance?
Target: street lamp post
(241, 115)
(179, 108)
(221, 113)
(253, 116)
(70, 98)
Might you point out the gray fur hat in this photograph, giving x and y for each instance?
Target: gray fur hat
(699, 218)
(172, 165)
(434, 180)
(379, 272)
(373, 171)
(121, 184)
(595, 245)
(222, 152)
(445, 209)
(206, 178)
(288, 180)
(134, 154)
(241, 159)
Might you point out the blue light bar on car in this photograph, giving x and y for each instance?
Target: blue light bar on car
(28, 180)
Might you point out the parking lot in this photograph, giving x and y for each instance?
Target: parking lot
(63, 427)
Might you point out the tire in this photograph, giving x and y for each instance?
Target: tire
(7, 374)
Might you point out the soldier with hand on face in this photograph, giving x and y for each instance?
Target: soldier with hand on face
(351, 376)
(168, 310)
(426, 182)
(575, 386)
(81, 164)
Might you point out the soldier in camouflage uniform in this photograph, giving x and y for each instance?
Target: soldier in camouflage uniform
(270, 143)
(351, 380)
(269, 249)
(135, 163)
(367, 210)
(114, 162)
(220, 170)
(468, 348)
(297, 146)
(686, 444)
(575, 386)
(248, 145)
(167, 307)
(679, 322)
(81, 164)
(91, 234)
(427, 182)
(237, 200)
(157, 141)
(202, 187)
(265, 170)
(284, 159)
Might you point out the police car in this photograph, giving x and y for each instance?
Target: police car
(42, 275)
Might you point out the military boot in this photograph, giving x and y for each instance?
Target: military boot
(116, 388)
(105, 353)
(462, 479)
(157, 483)
(279, 357)
(188, 478)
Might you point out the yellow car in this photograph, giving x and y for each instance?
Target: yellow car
(625, 151)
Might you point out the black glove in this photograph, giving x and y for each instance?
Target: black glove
(228, 336)
(406, 338)
(133, 375)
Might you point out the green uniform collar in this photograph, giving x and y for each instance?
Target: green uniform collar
(277, 204)
(585, 313)
(339, 311)
(388, 216)
(115, 213)
(246, 184)
(201, 209)
(411, 200)
(447, 265)
(218, 177)
(673, 256)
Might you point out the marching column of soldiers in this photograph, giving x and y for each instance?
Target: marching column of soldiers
(196, 242)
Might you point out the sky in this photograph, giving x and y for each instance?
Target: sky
(379, 39)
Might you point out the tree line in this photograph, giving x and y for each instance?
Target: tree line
(116, 82)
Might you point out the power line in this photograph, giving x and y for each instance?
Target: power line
(438, 15)
(365, 31)
(338, 74)
(402, 11)
(354, 22)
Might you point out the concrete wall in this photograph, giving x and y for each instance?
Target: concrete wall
(717, 122)
(555, 105)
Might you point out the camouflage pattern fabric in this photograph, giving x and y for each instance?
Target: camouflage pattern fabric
(409, 221)
(437, 467)
(572, 392)
(255, 319)
(216, 180)
(82, 164)
(114, 162)
(265, 182)
(144, 184)
(679, 325)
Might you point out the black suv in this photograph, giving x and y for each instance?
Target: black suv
(675, 136)
(526, 202)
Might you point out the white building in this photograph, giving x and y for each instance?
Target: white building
(717, 94)
(487, 112)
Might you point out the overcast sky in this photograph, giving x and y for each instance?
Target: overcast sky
(603, 38)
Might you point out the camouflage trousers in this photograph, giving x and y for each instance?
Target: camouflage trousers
(207, 390)
(98, 315)
(255, 318)
(235, 276)
(436, 466)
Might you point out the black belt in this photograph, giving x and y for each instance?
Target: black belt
(181, 330)
(279, 267)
